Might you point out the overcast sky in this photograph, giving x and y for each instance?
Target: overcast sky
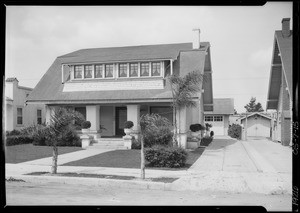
(241, 39)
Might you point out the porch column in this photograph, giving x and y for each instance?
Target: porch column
(93, 115)
(49, 112)
(182, 127)
(133, 114)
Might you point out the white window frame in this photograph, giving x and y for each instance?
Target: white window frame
(22, 116)
(102, 71)
(86, 65)
(82, 70)
(113, 66)
(217, 118)
(137, 76)
(37, 116)
(119, 66)
(208, 116)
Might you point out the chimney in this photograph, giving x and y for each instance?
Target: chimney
(196, 43)
(286, 27)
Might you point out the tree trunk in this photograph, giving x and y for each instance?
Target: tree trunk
(142, 158)
(54, 160)
(175, 127)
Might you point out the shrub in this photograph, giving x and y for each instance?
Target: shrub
(207, 126)
(36, 132)
(136, 144)
(13, 132)
(162, 135)
(206, 141)
(196, 127)
(128, 124)
(212, 134)
(235, 131)
(166, 156)
(17, 140)
(69, 138)
(86, 124)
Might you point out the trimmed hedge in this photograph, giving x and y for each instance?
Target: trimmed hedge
(13, 132)
(235, 131)
(18, 139)
(166, 156)
(206, 141)
(136, 144)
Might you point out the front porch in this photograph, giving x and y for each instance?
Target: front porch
(107, 120)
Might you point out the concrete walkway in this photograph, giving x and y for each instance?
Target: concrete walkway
(226, 165)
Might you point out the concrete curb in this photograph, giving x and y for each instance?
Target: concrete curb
(131, 184)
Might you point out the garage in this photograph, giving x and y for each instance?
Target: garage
(217, 122)
(258, 125)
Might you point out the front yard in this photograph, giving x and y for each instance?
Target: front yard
(127, 159)
(28, 152)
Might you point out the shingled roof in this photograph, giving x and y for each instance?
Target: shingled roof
(50, 88)
(222, 106)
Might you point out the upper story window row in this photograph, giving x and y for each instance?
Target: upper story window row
(118, 70)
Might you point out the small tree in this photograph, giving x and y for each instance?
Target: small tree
(183, 90)
(60, 121)
(252, 106)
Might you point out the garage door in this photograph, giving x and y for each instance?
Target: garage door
(217, 122)
(258, 127)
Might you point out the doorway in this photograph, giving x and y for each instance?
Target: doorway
(121, 117)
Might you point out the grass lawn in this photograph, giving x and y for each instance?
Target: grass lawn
(127, 159)
(28, 152)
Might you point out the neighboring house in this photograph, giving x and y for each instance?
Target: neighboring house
(223, 108)
(112, 85)
(258, 125)
(280, 84)
(17, 113)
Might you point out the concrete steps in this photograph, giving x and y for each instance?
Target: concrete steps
(108, 143)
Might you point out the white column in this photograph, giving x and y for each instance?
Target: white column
(181, 124)
(93, 115)
(133, 114)
(49, 112)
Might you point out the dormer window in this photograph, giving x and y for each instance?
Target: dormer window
(122, 70)
(88, 71)
(98, 71)
(78, 72)
(144, 69)
(109, 70)
(133, 69)
(155, 69)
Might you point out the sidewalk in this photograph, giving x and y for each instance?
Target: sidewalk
(226, 165)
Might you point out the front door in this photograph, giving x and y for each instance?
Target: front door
(121, 117)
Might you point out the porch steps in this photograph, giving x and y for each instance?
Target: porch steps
(108, 143)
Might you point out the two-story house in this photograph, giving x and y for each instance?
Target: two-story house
(280, 84)
(17, 114)
(112, 85)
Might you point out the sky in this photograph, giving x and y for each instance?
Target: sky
(241, 39)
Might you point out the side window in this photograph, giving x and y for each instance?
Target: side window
(39, 116)
(19, 116)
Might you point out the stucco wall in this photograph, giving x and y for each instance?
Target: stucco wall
(29, 111)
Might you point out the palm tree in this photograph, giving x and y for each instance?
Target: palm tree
(61, 120)
(183, 90)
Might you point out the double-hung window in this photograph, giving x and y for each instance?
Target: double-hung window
(78, 72)
(122, 70)
(218, 118)
(39, 116)
(133, 70)
(109, 70)
(19, 116)
(155, 69)
(98, 71)
(88, 71)
(144, 69)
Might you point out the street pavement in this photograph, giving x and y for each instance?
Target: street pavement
(226, 165)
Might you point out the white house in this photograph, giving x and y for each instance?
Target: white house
(112, 85)
(17, 113)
